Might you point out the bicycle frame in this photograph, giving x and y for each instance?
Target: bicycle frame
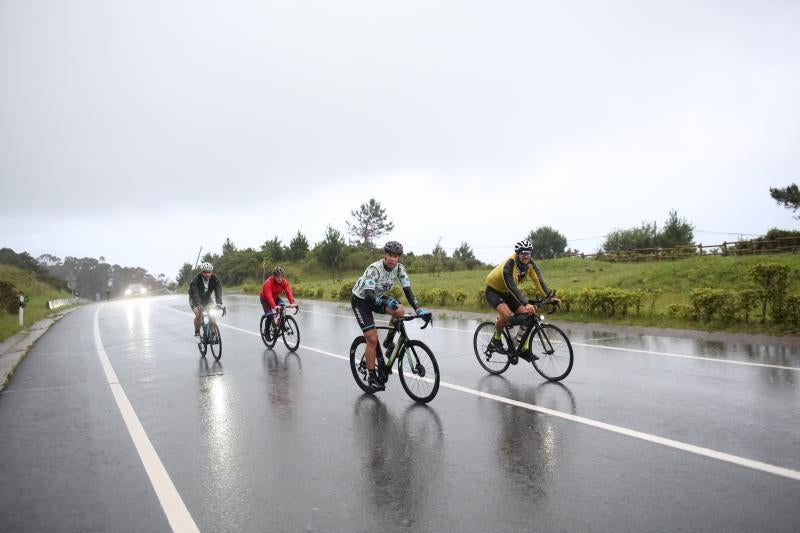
(400, 327)
(210, 315)
(417, 368)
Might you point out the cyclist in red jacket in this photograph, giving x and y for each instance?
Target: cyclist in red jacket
(272, 289)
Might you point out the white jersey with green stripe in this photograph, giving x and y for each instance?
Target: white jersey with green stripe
(380, 280)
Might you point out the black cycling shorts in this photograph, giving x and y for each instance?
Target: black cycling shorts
(202, 303)
(496, 298)
(265, 304)
(363, 310)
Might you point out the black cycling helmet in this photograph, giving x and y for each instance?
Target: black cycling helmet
(278, 271)
(393, 247)
(523, 246)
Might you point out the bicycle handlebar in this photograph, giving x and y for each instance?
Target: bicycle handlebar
(544, 300)
(290, 306)
(428, 319)
(207, 308)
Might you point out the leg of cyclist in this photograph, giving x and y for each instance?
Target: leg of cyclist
(363, 311)
(398, 312)
(268, 314)
(504, 314)
(198, 319)
(278, 303)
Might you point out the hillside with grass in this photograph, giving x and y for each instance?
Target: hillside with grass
(705, 292)
(13, 281)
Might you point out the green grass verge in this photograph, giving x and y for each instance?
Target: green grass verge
(675, 279)
(35, 308)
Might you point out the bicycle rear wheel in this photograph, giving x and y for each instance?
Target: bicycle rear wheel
(215, 341)
(492, 361)
(291, 333)
(419, 371)
(554, 351)
(358, 364)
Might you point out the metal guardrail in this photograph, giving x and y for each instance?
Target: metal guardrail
(61, 302)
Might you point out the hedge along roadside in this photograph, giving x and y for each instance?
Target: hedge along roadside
(769, 300)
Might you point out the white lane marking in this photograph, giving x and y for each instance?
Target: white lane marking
(655, 439)
(648, 352)
(695, 357)
(698, 450)
(171, 502)
(691, 448)
(604, 339)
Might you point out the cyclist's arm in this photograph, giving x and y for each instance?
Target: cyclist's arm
(288, 290)
(369, 295)
(218, 292)
(370, 281)
(269, 295)
(538, 279)
(194, 293)
(511, 283)
(410, 297)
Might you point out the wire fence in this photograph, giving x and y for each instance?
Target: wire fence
(739, 248)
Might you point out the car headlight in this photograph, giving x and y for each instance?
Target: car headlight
(144, 291)
(128, 292)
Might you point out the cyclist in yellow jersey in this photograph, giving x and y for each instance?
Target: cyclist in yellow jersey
(503, 293)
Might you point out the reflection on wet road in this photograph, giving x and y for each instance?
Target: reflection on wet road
(647, 433)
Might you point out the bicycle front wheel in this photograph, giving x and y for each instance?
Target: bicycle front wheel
(265, 330)
(554, 350)
(419, 371)
(291, 333)
(358, 364)
(492, 361)
(215, 341)
(202, 345)
(270, 335)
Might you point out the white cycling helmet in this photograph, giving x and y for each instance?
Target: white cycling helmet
(205, 266)
(523, 246)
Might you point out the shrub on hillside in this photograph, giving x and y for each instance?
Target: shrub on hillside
(747, 300)
(683, 311)
(773, 282)
(251, 288)
(9, 297)
(708, 303)
(792, 309)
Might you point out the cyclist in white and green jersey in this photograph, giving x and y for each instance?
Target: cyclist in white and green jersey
(369, 295)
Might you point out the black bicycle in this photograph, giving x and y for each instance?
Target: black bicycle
(416, 364)
(280, 325)
(542, 344)
(209, 333)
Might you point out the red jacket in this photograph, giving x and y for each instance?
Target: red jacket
(272, 289)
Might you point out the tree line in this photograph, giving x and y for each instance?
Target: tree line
(89, 276)
(84, 276)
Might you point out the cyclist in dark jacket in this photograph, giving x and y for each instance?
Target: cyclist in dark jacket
(200, 289)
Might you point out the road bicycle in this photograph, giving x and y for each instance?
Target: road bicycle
(416, 364)
(542, 344)
(280, 324)
(209, 333)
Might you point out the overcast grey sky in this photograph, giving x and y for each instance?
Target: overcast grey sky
(140, 131)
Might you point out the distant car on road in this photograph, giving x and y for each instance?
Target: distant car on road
(135, 289)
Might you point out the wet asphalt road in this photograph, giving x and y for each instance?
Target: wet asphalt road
(267, 440)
